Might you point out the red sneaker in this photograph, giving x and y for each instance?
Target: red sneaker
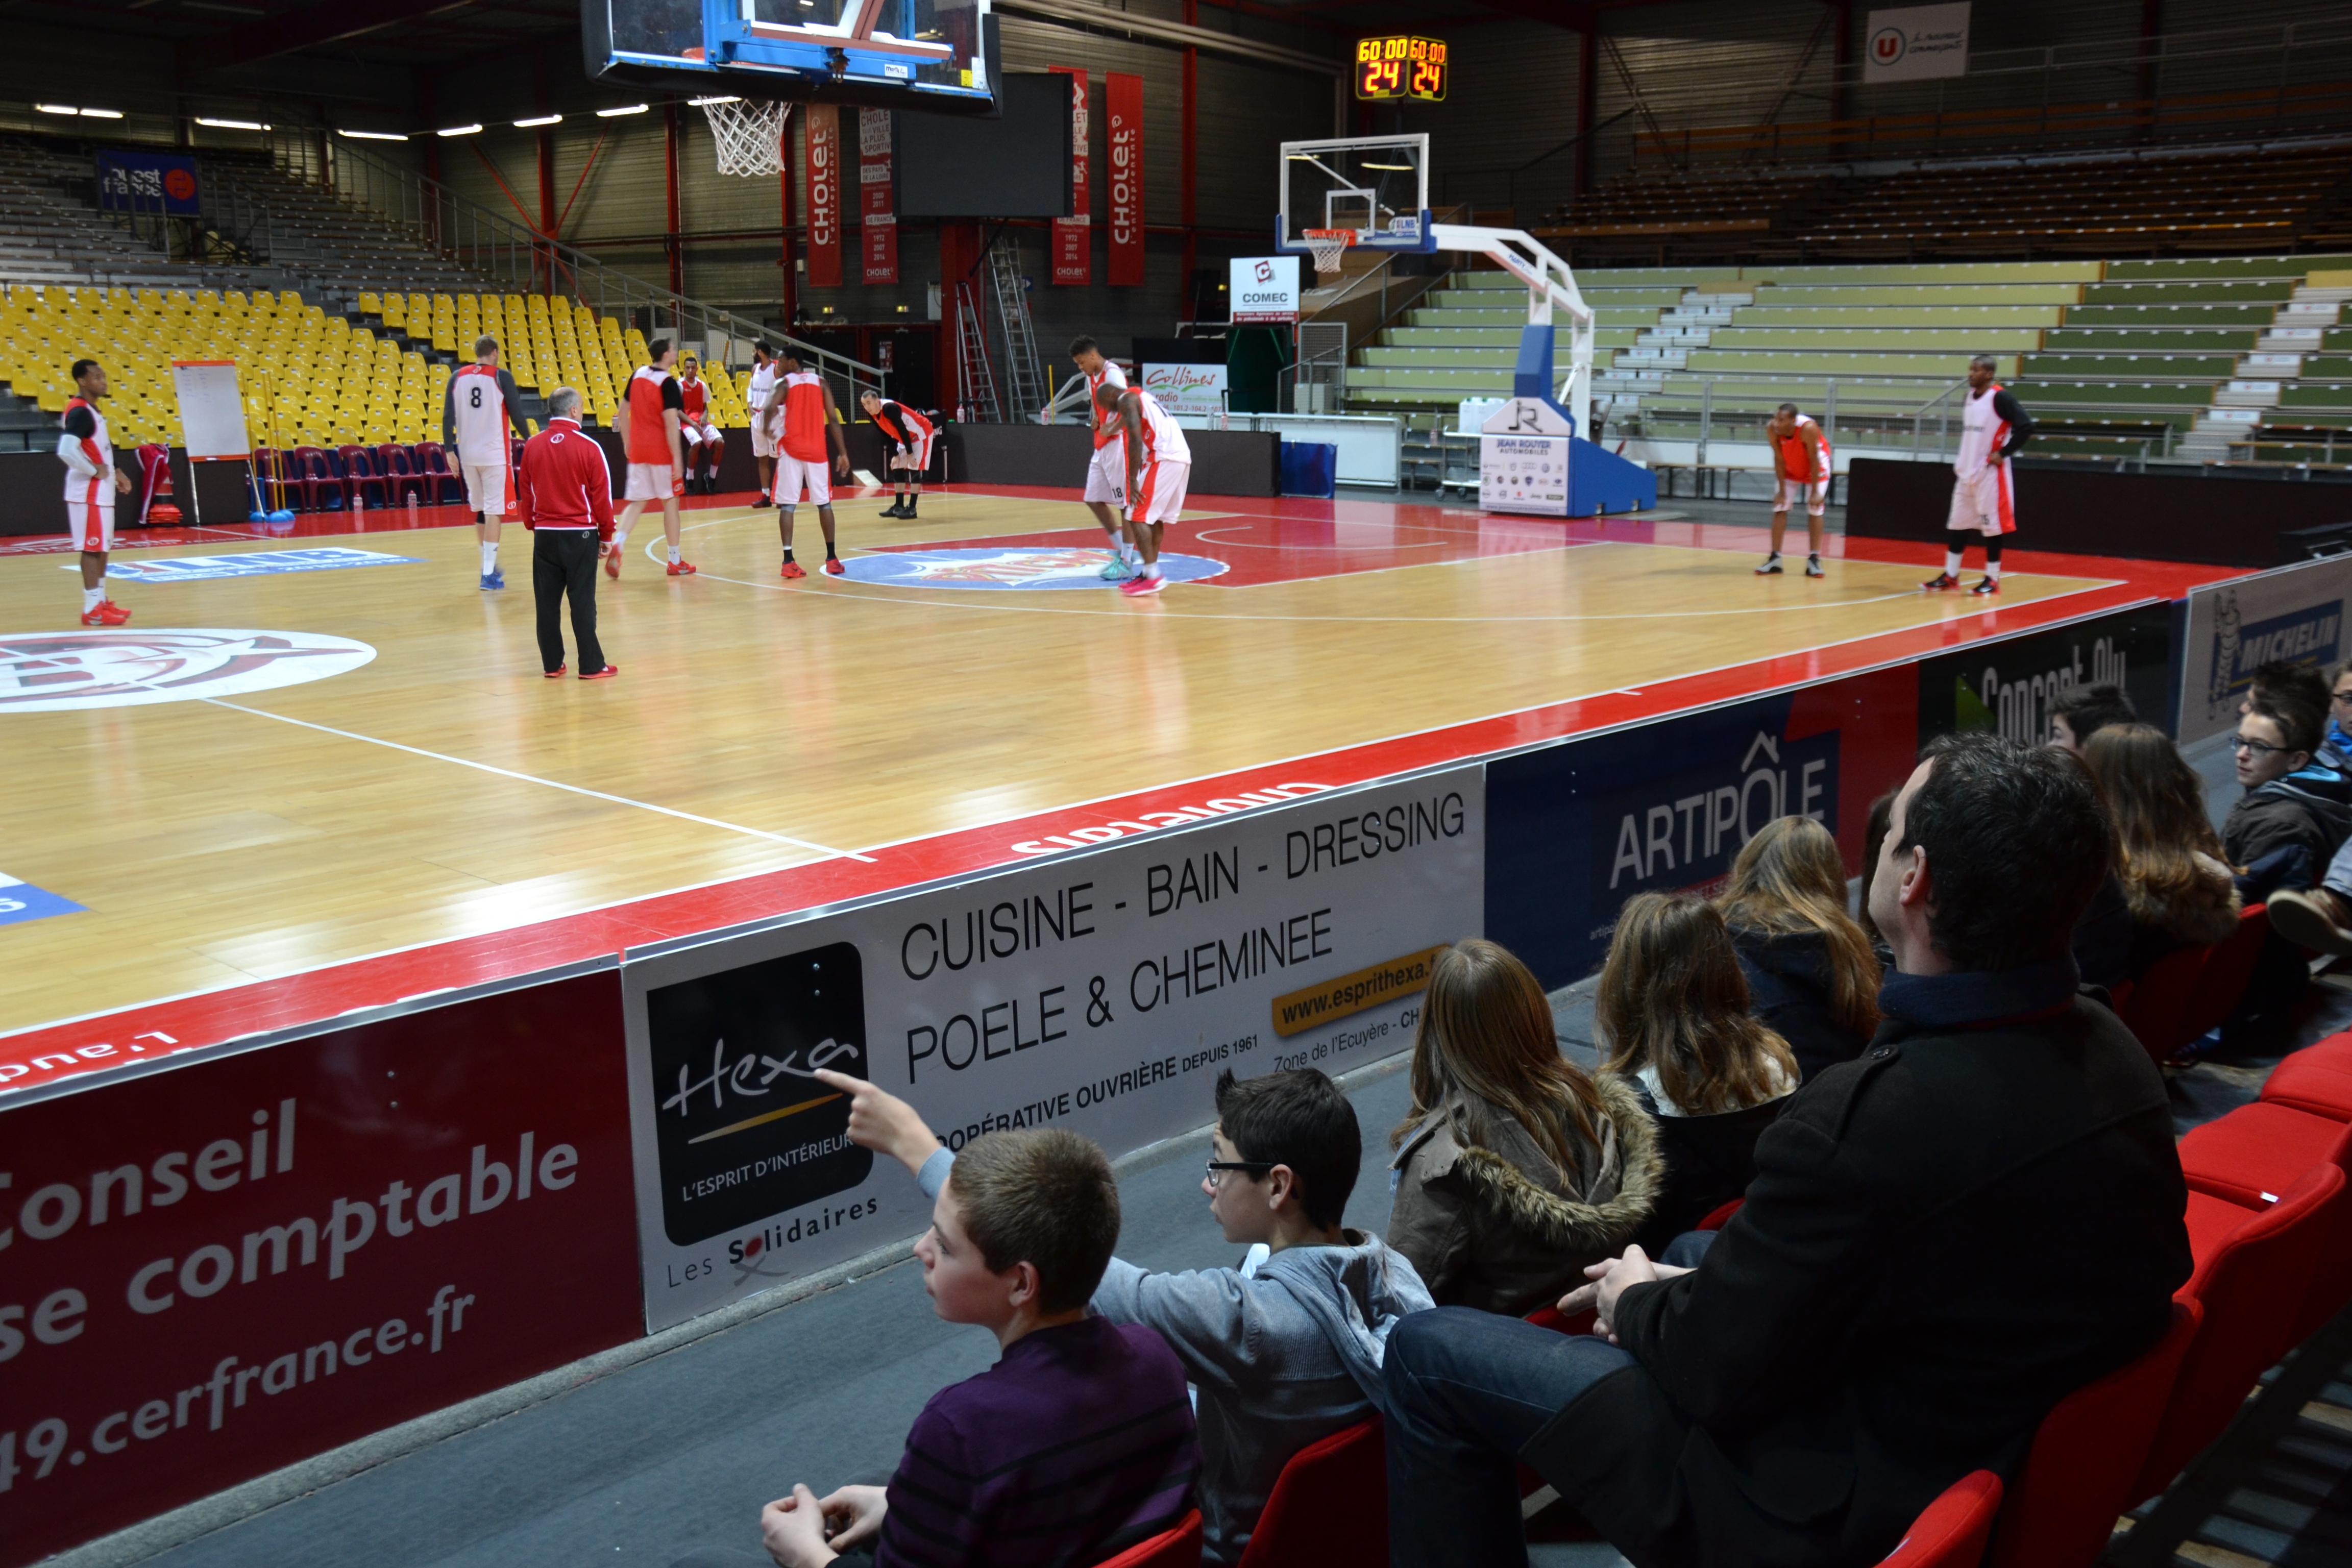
(793, 568)
(834, 568)
(110, 614)
(1940, 582)
(557, 673)
(681, 568)
(1135, 587)
(606, 673)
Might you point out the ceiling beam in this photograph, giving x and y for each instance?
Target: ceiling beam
(305, 28)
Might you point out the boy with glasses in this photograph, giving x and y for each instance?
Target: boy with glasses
(2321, 918)
(1286, 1349)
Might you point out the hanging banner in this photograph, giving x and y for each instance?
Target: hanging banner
(876, 210)
(1123, 142)
(149, 183)
(1915, 43)
(824, 143)
(1074, 249)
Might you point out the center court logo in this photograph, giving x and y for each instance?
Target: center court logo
(47, 672)
(1010, 567)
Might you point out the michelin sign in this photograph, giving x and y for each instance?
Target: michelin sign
(2295, 614)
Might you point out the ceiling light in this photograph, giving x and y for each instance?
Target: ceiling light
(625, 108)
(232, 124)
(102, 114)
(372, 135)
(540, 120)
(1401, 168)
(459, 130)
(57, 108)
(706, 102)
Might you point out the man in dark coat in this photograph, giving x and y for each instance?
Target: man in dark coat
(1944, 1238)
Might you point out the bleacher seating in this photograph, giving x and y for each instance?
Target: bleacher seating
(2202, 360)
(332, 391)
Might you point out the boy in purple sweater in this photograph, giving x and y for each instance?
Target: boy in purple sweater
(1076, 1445)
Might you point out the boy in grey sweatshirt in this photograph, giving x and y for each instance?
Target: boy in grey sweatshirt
(1282, 1352)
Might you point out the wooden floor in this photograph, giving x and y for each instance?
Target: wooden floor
(444, 789)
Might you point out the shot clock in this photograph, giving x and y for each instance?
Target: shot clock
(1401, 66)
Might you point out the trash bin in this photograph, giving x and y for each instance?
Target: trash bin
(1309, 469)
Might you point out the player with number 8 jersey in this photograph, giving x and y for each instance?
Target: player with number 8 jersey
(479, 406)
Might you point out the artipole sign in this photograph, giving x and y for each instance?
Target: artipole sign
(1102, 991)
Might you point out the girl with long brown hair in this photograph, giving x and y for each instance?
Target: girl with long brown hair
(1672, 1013)
(1514, 1168)
(2177, 883)
(1812, 976)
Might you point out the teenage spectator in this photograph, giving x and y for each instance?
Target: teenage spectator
(2306, 684)
(2339, 707)
(2176, 883)
(1513, 1169)
(1074, 1445)
(2081, 712)
(1672, 1008)
(2293, 816)
(1812, 977)
(1844, 1353)
(1281, 1352)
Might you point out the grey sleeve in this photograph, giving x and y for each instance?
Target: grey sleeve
(934, 1174)
(1203, 1316)
(513, 403)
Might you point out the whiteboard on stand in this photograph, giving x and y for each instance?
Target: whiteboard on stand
(212, 412)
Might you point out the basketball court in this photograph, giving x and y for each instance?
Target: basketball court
(332, 747)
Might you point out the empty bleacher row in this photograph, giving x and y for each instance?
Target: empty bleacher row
(2225, 200)
(2195, 360)
(310, 378)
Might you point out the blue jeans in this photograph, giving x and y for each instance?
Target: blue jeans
(1466, 1390)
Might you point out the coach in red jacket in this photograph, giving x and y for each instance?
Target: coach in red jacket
(566, 496)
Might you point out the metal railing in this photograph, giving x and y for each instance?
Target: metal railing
(519, 260)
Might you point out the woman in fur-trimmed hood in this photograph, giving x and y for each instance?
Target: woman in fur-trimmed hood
(1514, 1168)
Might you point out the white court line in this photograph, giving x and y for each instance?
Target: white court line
(898, 597)
(824, 849)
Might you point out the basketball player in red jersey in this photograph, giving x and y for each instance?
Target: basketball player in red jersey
(1801, 466)
(705, 443)
(1158, 471)
(657, 456)
(801, 419)
(1108, 470)
(92, 481)
(909, 436)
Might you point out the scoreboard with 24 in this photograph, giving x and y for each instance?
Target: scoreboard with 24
(1402, 65)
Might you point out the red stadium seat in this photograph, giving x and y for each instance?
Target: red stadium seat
(310, 476)
(2221, 985)
(1177, 1548)
(1953, 1530)
(2158, 1010)
(2063, 1506)
(2316, 1079)
(2254, 1154)
(364, 482)
(2252, 1288)
(1329, 1507)
(446, 485)
(400, 476)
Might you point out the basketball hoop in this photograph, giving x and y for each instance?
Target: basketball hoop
(750, 133)
(1329, 245)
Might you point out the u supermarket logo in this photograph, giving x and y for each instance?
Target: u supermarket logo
(1887, 46)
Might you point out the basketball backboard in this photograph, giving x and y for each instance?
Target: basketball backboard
(1375, 188)
(915, 53)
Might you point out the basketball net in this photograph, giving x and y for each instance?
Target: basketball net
(750, 133)
(1329, 245)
